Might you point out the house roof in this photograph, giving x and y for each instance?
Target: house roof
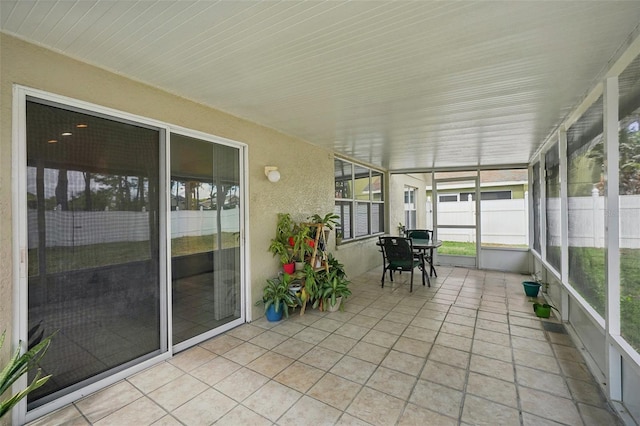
(398, 85)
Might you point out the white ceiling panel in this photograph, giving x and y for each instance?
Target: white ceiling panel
(402, 85)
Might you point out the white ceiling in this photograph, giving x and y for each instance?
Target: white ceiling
(397, 84)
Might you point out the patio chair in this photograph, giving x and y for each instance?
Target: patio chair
(422, 234)
(398, 255)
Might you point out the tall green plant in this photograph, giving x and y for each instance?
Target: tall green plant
(280, 243)
(329, 220)
(282, 250)
(301, 242)
(284, 227)
(335, 265)
(333, 287)
(19, 365)
(277, 293)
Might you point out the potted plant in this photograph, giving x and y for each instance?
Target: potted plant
(277, 298)
(532, 288)
(328, 221)
(401, 229)
(309, 290)
(285, 254)
(335, 265)
(543, 310)
(302, 244)
(281, 245)
(334, 290)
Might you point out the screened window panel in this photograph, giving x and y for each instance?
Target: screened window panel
(535, 189)
(585, 205)
(552, 186)
(456, 210)
(377, 218)
(358, 200)
(503, 212)
(629, 203)
(362, 183)
(362, 219)
(377, 187)
(343, 172)
(343, 209)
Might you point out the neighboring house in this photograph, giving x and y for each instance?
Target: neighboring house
(494, 185)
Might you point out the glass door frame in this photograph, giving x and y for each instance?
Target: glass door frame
(21, 95)
(19, 322)
(458, 260)
(245, 308)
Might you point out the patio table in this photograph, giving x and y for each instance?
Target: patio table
(426, 247)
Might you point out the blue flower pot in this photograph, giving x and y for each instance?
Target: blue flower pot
(531, 288)
(274, 316)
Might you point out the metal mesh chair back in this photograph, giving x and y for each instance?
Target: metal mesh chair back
(398, 253)
(422, 234)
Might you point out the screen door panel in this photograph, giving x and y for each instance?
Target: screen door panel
(93, 244)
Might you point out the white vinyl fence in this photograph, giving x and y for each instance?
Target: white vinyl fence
(73, 229)
(586, 221)
(506, 221)
(503, 221)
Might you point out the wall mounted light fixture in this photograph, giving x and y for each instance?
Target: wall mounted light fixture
(272, 173)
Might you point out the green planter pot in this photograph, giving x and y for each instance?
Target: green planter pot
(542, 310)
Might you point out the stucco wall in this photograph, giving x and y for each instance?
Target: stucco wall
(306, 186)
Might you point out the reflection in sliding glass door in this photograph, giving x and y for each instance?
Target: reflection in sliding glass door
(94, 261)
(205, 236)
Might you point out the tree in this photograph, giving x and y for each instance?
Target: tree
(62, 189)
(629, 160)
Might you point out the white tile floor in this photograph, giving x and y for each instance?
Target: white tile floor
(467, 351)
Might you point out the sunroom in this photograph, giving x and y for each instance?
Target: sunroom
(136, 137)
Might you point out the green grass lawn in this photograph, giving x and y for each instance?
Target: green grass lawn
(61, 259)
(457, 248)
(468, 249)
(587, 275)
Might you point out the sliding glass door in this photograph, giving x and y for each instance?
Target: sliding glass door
(131, 240)
(205, 236)
(94, 258)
